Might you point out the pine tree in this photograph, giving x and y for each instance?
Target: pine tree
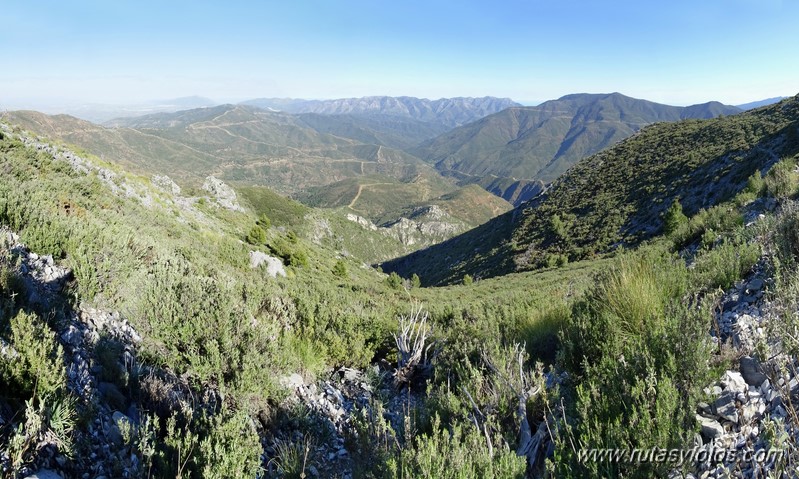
(674, 217)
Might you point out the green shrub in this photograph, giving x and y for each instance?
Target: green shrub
(722, 218)
(394, 280)
(674, 218)
(639, 357)
(39, 367)
(12, 291)
(725, 264)
(416, 282)
(290, 251)
(782, 179)
(467, 279)
(340, 269)
(264, 221)
(256, 236)
(458, 453)
(230, 448)
(539, 330)
(755, 184)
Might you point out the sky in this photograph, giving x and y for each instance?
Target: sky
(123, 52)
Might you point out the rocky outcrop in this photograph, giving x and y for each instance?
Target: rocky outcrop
(274, 267)
(89, 379)
(224, 195)
(366, 224)
(422, 226)
(752, 398)
(118, 184)
(335, 404)
(165, 183)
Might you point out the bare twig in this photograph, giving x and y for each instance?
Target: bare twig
(414, 351)
(529, 443)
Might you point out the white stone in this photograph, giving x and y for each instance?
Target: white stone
(711, 428)
(733, 381)
(274, 266)
(293, 381)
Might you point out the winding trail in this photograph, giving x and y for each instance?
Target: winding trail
(360, 190)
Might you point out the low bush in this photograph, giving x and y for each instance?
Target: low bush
(638, 356)
(37, 368)
(782, 180)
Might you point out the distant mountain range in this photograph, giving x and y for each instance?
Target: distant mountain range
(447, 112)
(759, 103)
(540, 143)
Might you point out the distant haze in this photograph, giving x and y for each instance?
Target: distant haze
(127, 53)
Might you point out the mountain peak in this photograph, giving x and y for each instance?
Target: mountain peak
(541, 142)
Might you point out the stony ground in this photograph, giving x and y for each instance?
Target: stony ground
(101, 449)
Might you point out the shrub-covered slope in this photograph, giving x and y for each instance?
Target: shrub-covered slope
(618, 196)
(234, 143)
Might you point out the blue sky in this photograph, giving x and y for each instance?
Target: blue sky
(677, 52)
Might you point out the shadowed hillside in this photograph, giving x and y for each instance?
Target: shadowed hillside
(619, 196)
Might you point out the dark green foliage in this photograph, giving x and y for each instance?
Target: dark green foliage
(539, 330)
(755, 184)
(289, 250)
(39, 368)
(264, 221)
(340, 269)
(231, 447)
(558, 228)
(556, 260)
(674, 218)
(458, 453)
(707, 225)
(199, 325)
(725, 264)
(394, 281)
(256, 236)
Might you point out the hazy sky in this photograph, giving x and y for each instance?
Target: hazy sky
(677, 52)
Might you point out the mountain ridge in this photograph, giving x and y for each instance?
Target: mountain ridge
(448, 112)
(541, 142)
(618, 196)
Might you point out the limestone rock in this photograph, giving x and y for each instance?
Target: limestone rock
(165, 183)
(733, 381)
(225, 195)
(711, 428)
(293, 381)
(751, 371)
(274, 266)
(725, 407)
